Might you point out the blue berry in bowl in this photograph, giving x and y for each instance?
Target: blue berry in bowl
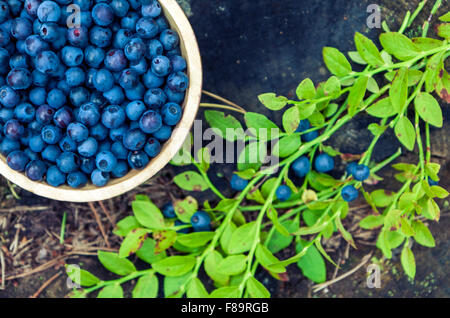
(68, 162)
(99, 178)
(72, 56)
(99, 36)
(169, 39)
(51, 134)
(51, 153)
(89, 114)
(77, 179)
(88, 148)
(102, 14)
(56, 98)
(301, 167)
(128, 79)
(113, 116)
(120, 7)
(105, 161)
(163, 133)
(201, 221)
(161, 65)
(77, 131)
(35, 170)
(349, 193)
(134, 139)
(63, 117)
(171, 113)
(55, 177)
(103, 80)
(324, 163)
(135, 109)
(135, 49)
(9, 97)
(152, 9)
(48, 11)
(155, 98)
(36, 143)
(94, 56)
(178, 63)
(115, 60)
(25, 112)
(119, 150)
(13, 129)
(152, 147)
(17, 160)
(150, 122)
(50, 32)
(21, 28)
(120, 170)
(178, 82)
(146, 27)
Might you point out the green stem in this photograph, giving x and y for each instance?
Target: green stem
(119, 281)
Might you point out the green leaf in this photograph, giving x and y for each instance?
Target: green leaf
(305, 111)
(429, 109)
(268, 260)
(382, 198)
(148, 214)
(332, 86)
(233, 265)
(355, 57)
(406, 228)
(164, 240)
(124, 226)
(434, 67)
(226, 236)
(382, 109)
(263, 127)
(398, 45)
(256, 289)
(426, 44)
(114, 263)
(132, 242)
(196, 289)
(291, 120)
(175, 265)
(306, 90)
(196, 239)
(272, 101)
(312, 263)
(81, 276)
(225, 292)
(408, 262)
(445, 17)
(147, 252)
(398, 92)
(368, 50)
(111, 291)
(423, 235)
(357, 94)
(443, 30)
(278, 241)
(191, 181)
(204, 158)
(252, 156)
(372, 86)
(376, 129)
(371, 222)
(286, 146)
(221, 123)
(172, 285)
(185, 209)
(212, 262)
(146, 287)
(242, 238)
(330, 110)
(404, 130)
(439, 192)
(336, 62)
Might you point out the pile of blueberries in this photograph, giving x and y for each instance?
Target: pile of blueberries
(86, 93)
(323, 163)
(200, 220)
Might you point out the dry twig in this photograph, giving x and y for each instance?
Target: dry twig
(45, 285)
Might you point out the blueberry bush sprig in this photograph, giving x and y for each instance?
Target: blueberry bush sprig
(296, 201)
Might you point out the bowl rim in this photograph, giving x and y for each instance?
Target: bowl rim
(190, 51)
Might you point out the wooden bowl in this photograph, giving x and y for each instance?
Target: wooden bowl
(189, 48)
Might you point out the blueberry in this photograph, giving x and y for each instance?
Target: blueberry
(431, 182)
(13, 129)
(9, 97)
(78, 96)
(99, 178)
(304, 125)
(283, 193)
(237, 183)
(169, 39)
(50, 32)
(48, 11)
(83, 4)
(100, 37)
(161, 65)
(50, 153)
(8, 145)
(154, 48)
(78, 132)
(128, 79)
(44, 114)
(32, 6)
(120, 170)
(178, 63)
(120, 7)
(88, 148)
(163, 133)
(178, 82)
(89, 114)
(74, 76)
(114, 95)
(76, 179)
(94, 56)
(25, 113)
(104, 146)
(139, 66)
(6, 114)
(67, 144)
(324, 163)
(150, 122)
(35, 170)
(122, 37)
(135, 49)
(349, 193)
(152, 147)
(153, 9)
(99, 132)
(18, 61)
(34, 45)
(201, 221)
(172, 96)
(135, 109)
(4, 38)
(138, 160)
(136, 93)
(162, 23)
(39, 79)
(80, 37)
(102, 14)
(105, 161)
(168, 210)
(47, 62)
(55, 177)
(119, 150)
(183, 231)
(150, 80)
(301, 166)
(87, 165)
(113, 116)
(63, 117)
(17, 160)
(68, 162)
(118, 133)
(72, 56)
(361, 172)
(155, 98)
(51, 135)
(56, 98)
(31, 154)
(21, 28)
(35, 127)
(115, 60)
(171, 113)
(146, 27)
(103, 80)
(134, 139)
(129, 21)
(310, 136)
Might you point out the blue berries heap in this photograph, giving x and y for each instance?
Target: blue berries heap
(87, 101)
